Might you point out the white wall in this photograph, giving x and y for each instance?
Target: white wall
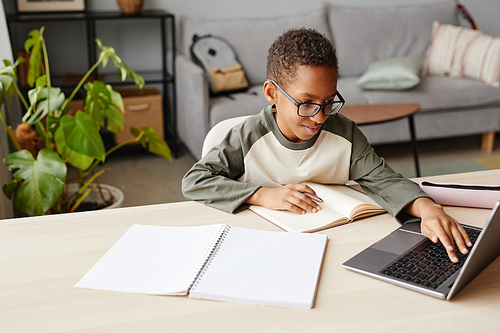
(485, 12)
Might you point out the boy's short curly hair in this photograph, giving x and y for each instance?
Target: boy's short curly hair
(297, 47)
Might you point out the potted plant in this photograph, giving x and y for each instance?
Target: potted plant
(49, 139)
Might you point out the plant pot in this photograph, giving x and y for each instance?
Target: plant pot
(95, 196)
(130, 7)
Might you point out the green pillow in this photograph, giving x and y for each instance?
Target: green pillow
(391, 74)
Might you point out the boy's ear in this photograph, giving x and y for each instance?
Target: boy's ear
(270, 92)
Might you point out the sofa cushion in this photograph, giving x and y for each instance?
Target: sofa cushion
(250, 38)
(463, 52)
(440, 92)
(391, 74)
(441, 51)
(237, 104)
(363, 35)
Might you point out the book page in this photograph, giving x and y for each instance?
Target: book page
(154, 260)
(341, 198)
(307, 222)
(263, 267)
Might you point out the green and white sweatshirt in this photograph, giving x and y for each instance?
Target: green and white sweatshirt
(255, 154)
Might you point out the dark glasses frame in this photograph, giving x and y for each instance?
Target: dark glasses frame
(335, 109)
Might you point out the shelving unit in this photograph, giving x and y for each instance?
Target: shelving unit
(164, 76)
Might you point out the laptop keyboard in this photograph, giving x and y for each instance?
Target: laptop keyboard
(428, 264)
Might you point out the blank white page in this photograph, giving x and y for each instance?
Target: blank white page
(154, 260)
(263, 267)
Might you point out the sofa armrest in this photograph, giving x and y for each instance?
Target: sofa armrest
(193, 104)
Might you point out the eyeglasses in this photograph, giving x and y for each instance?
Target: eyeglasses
(308, 109)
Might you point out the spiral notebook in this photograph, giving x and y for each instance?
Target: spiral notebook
(215, 262)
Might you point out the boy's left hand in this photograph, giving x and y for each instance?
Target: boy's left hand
(439, 226)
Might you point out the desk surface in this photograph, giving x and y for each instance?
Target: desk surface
(41, 259)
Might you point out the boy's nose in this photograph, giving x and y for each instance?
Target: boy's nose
(319, 117)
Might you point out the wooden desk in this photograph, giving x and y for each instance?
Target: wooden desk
(367, 114)
(41, 259)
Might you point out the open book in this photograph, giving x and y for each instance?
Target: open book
(215, 262)
(341, 204)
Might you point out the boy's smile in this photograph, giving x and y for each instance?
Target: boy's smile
(313, 84)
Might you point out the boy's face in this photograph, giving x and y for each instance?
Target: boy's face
(313, 84)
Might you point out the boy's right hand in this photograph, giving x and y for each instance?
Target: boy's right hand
(291, 197)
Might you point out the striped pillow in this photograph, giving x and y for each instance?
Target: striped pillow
(462, 52)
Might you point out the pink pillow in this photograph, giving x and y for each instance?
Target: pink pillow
(462, 52)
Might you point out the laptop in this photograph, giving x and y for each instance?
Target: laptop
(408, 259)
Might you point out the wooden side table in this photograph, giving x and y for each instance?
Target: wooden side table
(366, 114)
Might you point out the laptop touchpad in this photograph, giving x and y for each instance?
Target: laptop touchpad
(398, 242)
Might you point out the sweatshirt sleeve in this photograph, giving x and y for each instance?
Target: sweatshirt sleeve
(213, 179)
(389, 189)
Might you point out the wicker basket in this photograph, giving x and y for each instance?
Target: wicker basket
(130, 7)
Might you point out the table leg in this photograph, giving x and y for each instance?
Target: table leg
(411, 124)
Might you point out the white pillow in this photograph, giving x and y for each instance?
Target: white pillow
(462, 52)
(391, 74)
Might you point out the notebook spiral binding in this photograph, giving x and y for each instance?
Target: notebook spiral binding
(221, 236)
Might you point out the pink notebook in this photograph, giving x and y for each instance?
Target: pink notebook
(467, 195)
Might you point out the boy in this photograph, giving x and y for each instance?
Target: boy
(301, 137)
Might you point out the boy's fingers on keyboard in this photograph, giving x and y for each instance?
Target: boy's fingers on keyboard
(450, 249)
(465, 236)
(424, 229)
(461, 240)
(444, 239)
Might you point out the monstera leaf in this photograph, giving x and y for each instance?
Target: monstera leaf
(103, 103)
(33, 45)
(122, 70)
(42, 180)
(74, 158)
(43, 103)
(7, 76)
(82, 136)
(152, 141)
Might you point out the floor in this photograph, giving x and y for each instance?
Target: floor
(148, 179)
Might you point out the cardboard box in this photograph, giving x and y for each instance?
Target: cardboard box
(143, 107)
(75, 105)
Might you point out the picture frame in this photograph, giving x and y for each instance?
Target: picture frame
(36, 6)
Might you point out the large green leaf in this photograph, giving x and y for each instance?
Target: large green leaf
(152, 141)
(82, 136)
(115, 119)
(56, 97)
(105, 106)
(43, 180)
(33, 45)
(7, 76)
(74, 158)
(46, 104)
(33, 98)
(97, 101)
(7, 86)
(115, 111)
(116, 99)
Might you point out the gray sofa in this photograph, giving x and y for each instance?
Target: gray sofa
(362, 35)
